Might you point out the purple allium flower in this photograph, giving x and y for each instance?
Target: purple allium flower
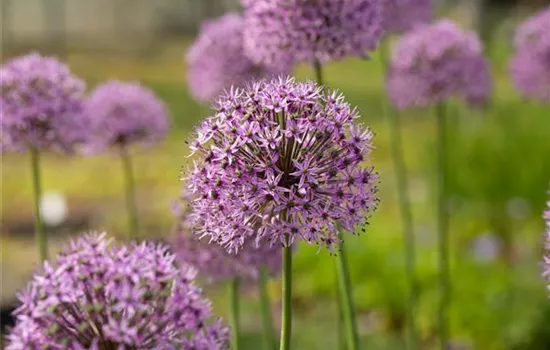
(546, 258)
(530, 67)
(41, 105)
(216, 61)
(97, 296)
(283, 32)
(281, 159)
(403, 15)
(435, 62)
(125, 113)
(213, 261)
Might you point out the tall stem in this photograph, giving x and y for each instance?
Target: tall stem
(318, 69)
(443, 226)
(267, 320)
(286, 317)
(400, 171)
(234, 310)
(346, 300)
(40, 231)
(129, 184)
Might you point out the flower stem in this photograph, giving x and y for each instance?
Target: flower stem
(443, 226)
(265, 305)
(341, 340)
(318, 69)
(346, 301)
(130, 192)
(286, 317)
(400, 171)
(40, 231)
(234, 309)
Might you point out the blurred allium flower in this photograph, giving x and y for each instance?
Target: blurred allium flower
(213, 261)
(41, 105)
(282, 32)
(124, 113)
(94, 296)
(436, 62)
(278, 159)
(530, 67)
(403, 15)
(216, 61)
(546, 258)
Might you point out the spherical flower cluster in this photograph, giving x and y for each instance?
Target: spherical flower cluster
(530, 66)
(403, 15)
(41, 105)
(214, 262)
(124, 113)
(97, 296)
(546, 259)
(216, 61)
(281, 161)
(436, 62)
(283, 32)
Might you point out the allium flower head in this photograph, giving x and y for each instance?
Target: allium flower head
(281, 159)
(216, 61)
(546, 259)
(279, 32)
(213, 261)
(125, 113)
(403, 15)
(41, 105)
(97, 296)
(530, 66)
(436, 62)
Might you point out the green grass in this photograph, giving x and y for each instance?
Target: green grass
(496, 155)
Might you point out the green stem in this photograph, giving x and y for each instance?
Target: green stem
(265, 304)
(318, 69)
(443, 227)
(346, 301)
(400, 171)
(286, 317)
(341, 340)
(234, 310)
(130, 193)
(40, 231)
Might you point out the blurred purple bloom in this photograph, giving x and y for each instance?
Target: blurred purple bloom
(94, 296)
(403, 15)
(41, 105)
(278, 159)
(546, 258)
(214, 262)
(436, 62)
(216, 60)
(530, 67)
(124, 113)
(282, 32)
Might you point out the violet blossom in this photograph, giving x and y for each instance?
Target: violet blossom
(401, 16)
(281, 161)
(216, 60)
(279, 33)
(41, 105)
(436, 62)
(95, 295)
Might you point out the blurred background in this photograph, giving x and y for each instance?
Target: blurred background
(500, 172)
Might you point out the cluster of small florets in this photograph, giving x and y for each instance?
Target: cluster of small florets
(530, 67)
(403, 15)
(97, 296)
(125, 113)
(434, 63)
(41, 105)
(213, 261)
(282, 32)
(216, 60)
(281, 161)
